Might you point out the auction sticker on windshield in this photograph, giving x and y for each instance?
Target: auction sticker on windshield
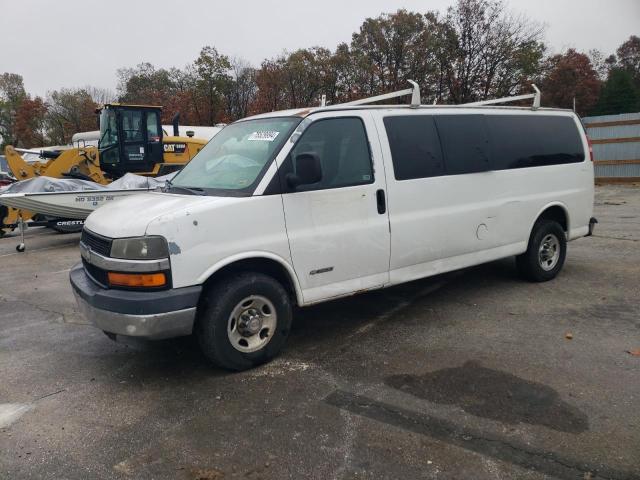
(263, 136)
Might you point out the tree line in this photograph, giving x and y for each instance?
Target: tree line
(476, 50)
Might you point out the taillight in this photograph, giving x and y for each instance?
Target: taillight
(590, 148)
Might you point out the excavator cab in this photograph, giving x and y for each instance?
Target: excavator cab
(130, 138)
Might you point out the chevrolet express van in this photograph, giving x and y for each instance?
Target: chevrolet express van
(303, 206)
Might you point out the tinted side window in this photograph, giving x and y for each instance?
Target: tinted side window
(465, 143)
(415, 147)
(521, 141)
(343, 148)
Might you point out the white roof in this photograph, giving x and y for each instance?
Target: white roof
(304, 112)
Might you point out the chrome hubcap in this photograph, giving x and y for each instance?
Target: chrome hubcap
(252, 323)
(549, 252)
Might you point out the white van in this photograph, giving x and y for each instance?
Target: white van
(303, 206)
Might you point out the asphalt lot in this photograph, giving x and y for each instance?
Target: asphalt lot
(466, 375)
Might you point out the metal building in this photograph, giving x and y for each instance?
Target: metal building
(616, 147)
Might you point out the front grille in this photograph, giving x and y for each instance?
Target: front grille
(95, 242)
(98, 275)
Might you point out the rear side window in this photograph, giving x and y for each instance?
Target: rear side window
(465, 143)
(415, 147)
(521, 141)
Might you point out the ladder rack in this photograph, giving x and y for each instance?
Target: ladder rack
(536, 99)
(414, 91)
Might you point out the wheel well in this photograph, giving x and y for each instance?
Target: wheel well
(266, 266)
(557, 214)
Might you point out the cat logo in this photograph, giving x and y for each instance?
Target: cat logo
(175, 147)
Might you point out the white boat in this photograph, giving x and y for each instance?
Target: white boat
(71, 205)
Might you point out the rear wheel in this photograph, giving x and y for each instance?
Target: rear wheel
(243, 321)
(545, 254)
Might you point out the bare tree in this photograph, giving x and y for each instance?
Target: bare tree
(491, 51)
(242, 90)
(101, 95)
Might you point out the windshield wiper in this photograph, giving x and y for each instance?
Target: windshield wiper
(169, 187)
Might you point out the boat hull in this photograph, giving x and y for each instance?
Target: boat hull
(73, 205)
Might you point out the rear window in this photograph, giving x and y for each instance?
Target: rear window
(415, 147)
(521, 141)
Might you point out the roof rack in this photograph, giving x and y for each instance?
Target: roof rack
(414, 92)
(415, 98)
(536, 99)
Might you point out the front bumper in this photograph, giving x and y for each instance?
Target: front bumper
(150, 314)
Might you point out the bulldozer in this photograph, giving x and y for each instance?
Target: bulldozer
(131, 140)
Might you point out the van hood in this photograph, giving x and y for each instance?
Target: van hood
(131, 215)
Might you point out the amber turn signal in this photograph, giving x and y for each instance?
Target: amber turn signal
(137, 279)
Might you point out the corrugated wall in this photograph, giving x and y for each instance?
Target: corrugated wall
(616, 146)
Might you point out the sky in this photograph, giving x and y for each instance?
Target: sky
(74, 43)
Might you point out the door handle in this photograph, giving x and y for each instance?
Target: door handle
(382, 204)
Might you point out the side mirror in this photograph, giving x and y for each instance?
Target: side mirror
(308, 170)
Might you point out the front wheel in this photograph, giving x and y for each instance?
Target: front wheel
(243, 321)
(545, 254)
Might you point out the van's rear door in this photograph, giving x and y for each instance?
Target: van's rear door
(338, 228)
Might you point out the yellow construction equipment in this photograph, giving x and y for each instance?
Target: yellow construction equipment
(131, 140)
(74, 162)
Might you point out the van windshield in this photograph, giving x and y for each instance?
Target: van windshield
(235, 159)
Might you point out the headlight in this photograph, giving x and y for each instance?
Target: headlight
(141, 248)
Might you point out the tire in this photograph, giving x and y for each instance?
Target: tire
(243, 321)
(545, 253)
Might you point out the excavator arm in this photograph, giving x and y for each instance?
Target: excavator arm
(17, 165)
(74, 162)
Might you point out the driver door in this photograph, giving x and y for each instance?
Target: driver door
(338, 228)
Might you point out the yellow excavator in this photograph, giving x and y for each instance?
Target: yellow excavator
(131, 140)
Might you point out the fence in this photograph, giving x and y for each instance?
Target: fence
(616, 147)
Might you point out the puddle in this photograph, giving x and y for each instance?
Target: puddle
(495, 395)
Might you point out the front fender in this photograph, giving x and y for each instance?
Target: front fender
(255, 255)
